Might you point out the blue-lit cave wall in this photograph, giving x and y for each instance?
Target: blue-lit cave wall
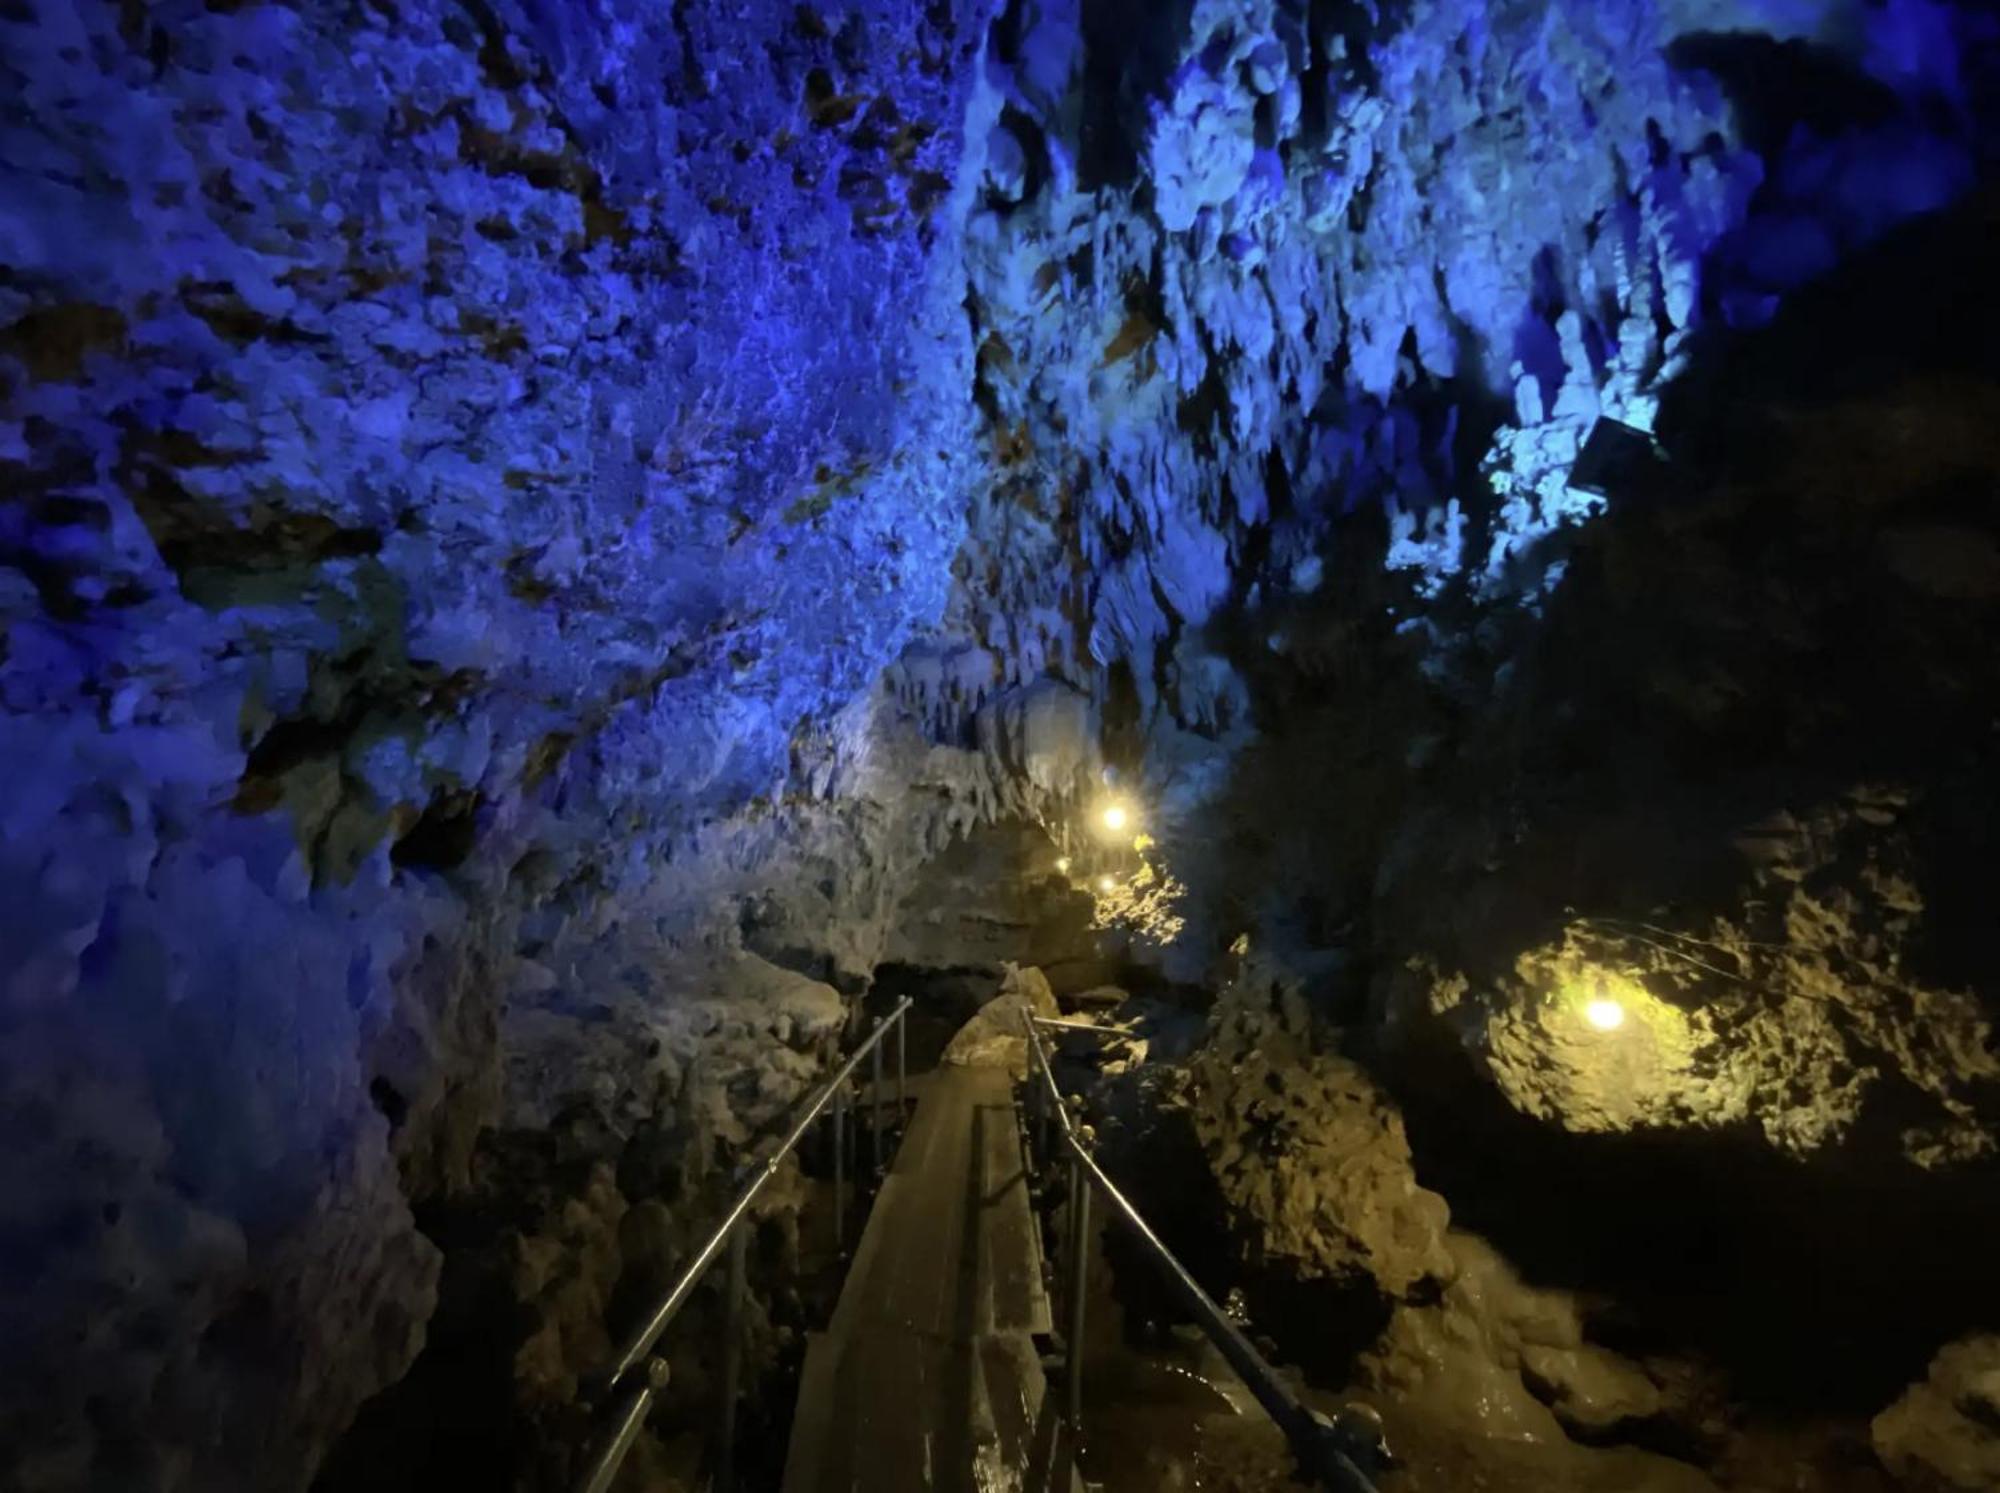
(524, 523)
(1283, 263)
(1292, 324)
(454, 456)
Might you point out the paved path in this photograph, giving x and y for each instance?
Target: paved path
(928, 1375)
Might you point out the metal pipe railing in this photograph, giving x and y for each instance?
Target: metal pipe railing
(1057, 1024)
(636, 1394)
(1314, 1438)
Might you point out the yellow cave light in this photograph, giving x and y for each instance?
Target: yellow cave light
(1107, 884)
(1062, 864)
(1604, 1013)
(1115, 817)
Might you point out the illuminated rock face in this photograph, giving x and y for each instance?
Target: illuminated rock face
(456, 457)
(1283, 302)
(1270, 272)
(1942, 1435)
(1798, 1032)
(527, 523)
(1310, 1147)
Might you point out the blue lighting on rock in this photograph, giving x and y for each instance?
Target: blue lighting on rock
(469, 468)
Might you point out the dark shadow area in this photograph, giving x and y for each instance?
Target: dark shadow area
(1805, 606)
(1130, 49)
(1156, 1159)
(457, 1419)
(443, 835)
(1820, 1288)
(1916, 305)
(452, 1420)
(1779, 86)
(943, 1000)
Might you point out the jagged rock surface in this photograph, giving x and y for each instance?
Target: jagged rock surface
(527, 524)
(1944, 1435)
(1310, 1153)
(996, 1037)
(458, 458)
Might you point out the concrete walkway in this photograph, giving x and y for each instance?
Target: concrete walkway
(928, 1376)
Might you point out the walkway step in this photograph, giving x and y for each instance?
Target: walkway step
(927, 1378)
(1010, 1237)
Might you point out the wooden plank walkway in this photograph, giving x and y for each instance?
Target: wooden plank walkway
(928, 1376)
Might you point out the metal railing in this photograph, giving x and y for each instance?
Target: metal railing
(1096, 1029)
(1318, 1443)
(633, 1392)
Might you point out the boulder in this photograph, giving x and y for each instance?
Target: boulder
(1591, 1391)
(996, 1037)
(1943, 1435)
(1311, 1157)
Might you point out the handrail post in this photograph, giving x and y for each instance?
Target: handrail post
(839, 1168)
(1079, 1228)
(875, 1106)
(610, 1455)
(902, 1068)
(1319, 1448)
(732, 1360)
(1041, 1117)
(634, 1399)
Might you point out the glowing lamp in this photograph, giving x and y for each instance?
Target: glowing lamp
(1605, 1014)
(1107, 884)
(1115, 817)
(1062, 864)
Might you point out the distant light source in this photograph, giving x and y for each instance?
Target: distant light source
(1062, 864)
(1107, 883)
(1115, 817)
(1605, 1014)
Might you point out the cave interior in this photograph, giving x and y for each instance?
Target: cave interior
(1429, 568)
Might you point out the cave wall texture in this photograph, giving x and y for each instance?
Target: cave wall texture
(526, 523)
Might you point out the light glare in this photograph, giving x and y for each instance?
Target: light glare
(1605, 1014)
(1115, 817)
(1106, 884)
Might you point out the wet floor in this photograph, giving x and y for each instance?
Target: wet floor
(1158, 1421)
(1173, 1417)
(1169, 1416)
(1164, 1413)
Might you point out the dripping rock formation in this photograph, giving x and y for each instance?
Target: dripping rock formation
(555, 554)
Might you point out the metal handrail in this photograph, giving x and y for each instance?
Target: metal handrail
(1315, 1440)
(1057, 1024)
(638, 1394)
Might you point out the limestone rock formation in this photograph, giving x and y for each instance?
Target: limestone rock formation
(1310, 1158)
(1838, 1014)
(1495, 1357)
(1310, 1154)
(997, 1036)
(992, 898)
(1944, 1435)
(525, 527)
